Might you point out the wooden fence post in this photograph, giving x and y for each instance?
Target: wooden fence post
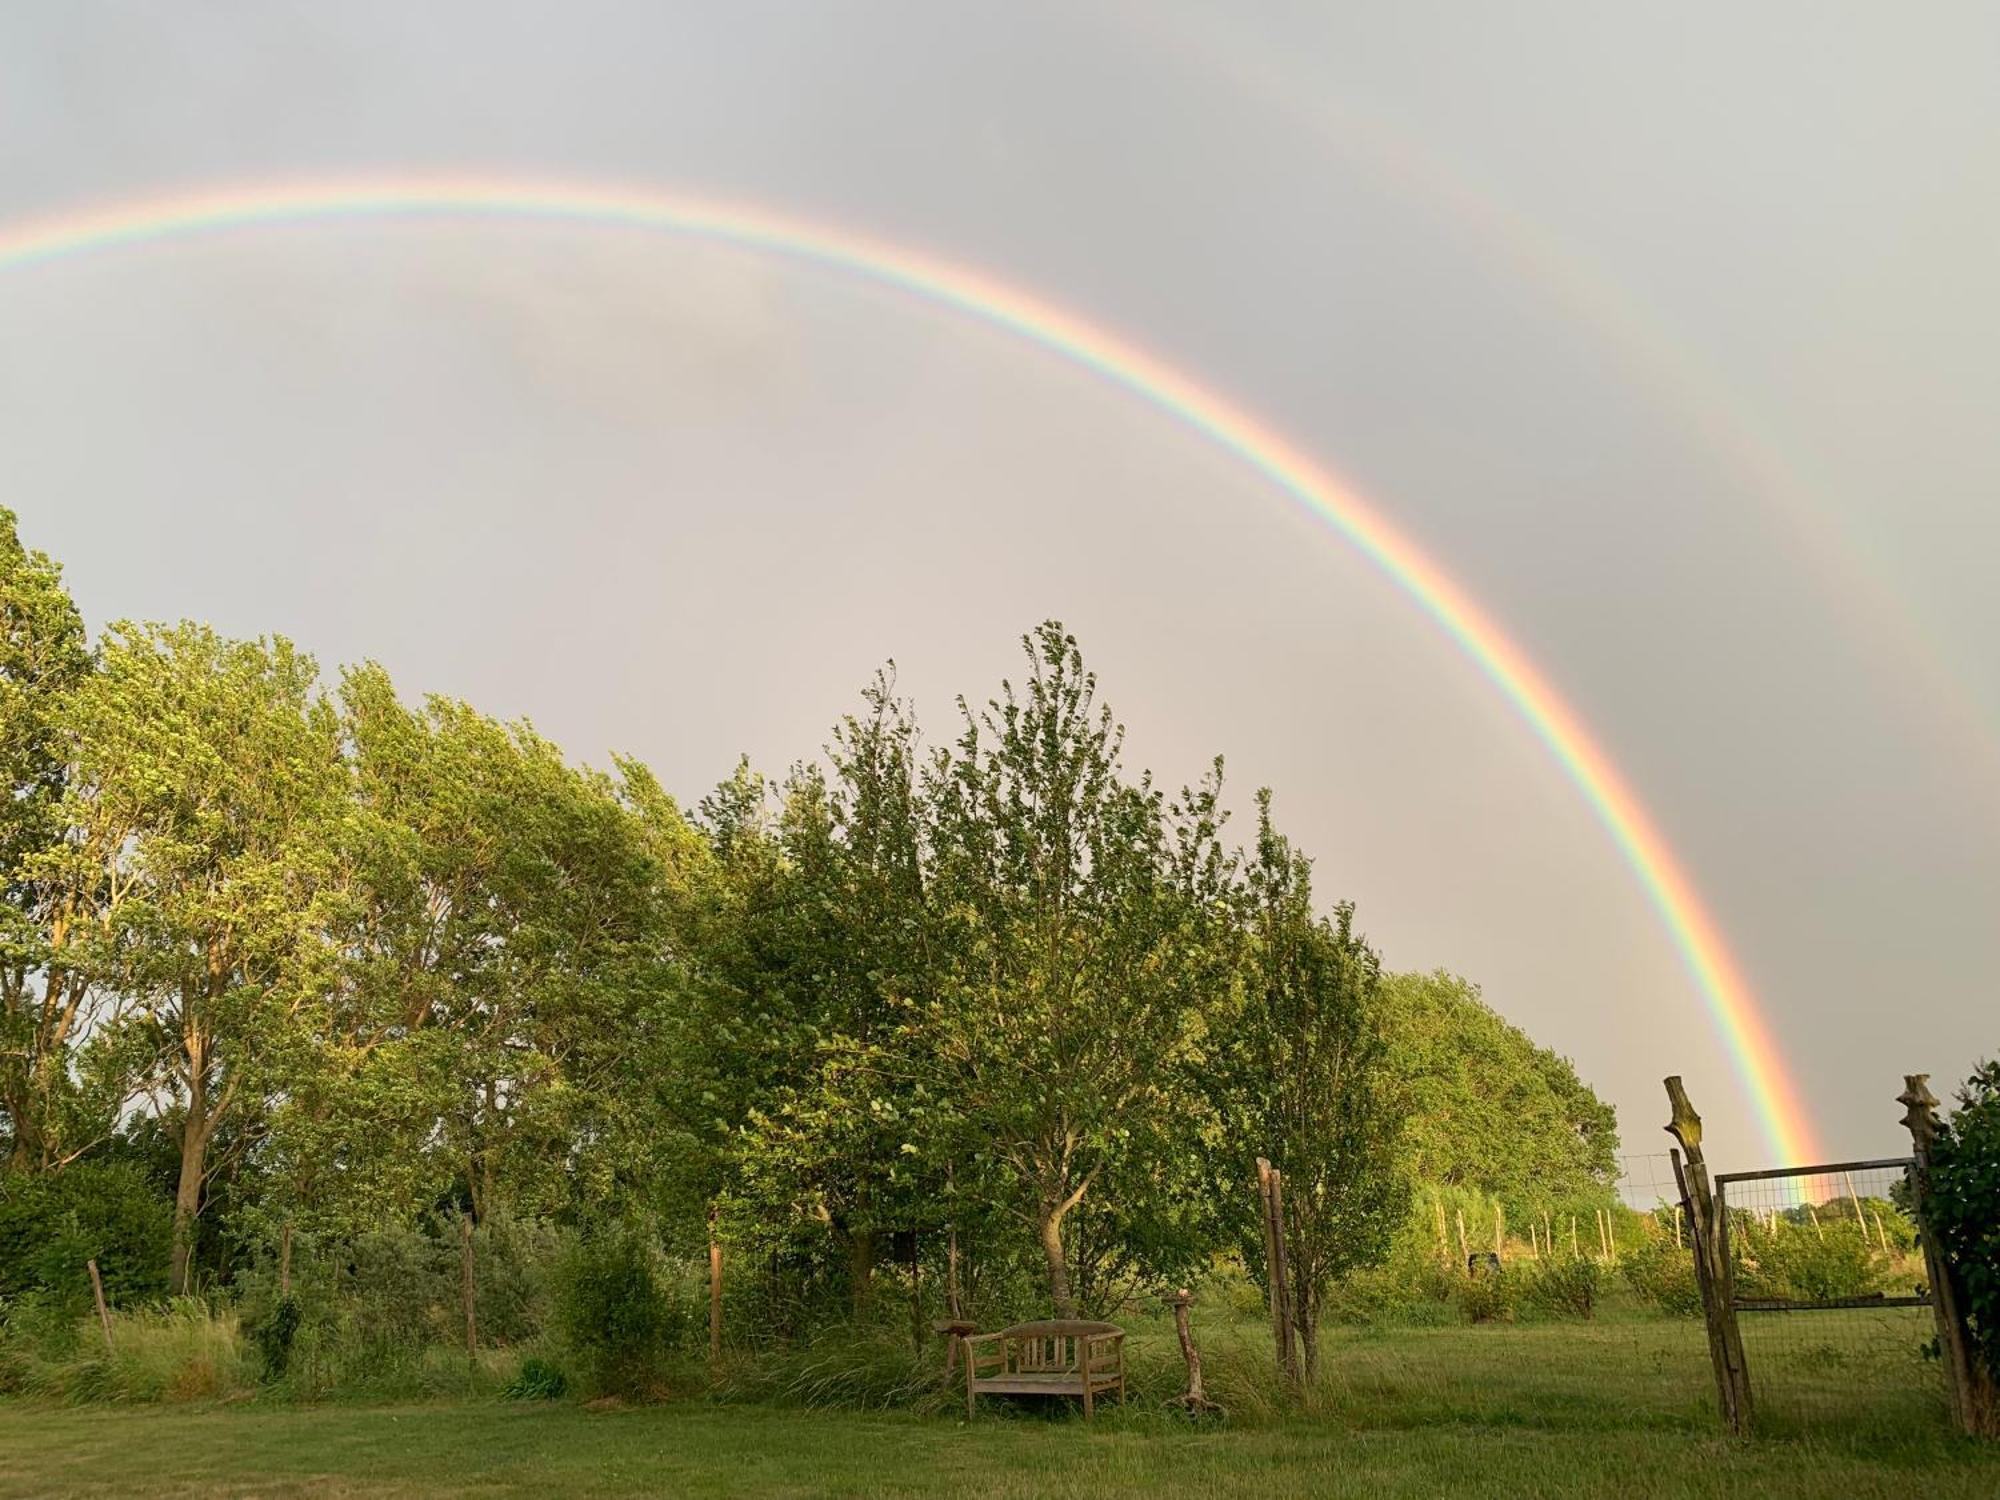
(1270, 1187)
(1195, 1401)
(103, 1312)
(468, 1288)
(1711, 1265)
(714, 1286)
(1975, 1405)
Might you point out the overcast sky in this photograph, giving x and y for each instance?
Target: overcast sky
(1670, 333)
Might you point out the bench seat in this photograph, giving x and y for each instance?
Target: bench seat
(1057, 1357)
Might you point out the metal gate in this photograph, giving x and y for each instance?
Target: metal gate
(1830, 1289)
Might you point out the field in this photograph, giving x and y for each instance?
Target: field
(1614, 1407)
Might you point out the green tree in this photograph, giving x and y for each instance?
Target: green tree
(1488, 1109)
(504, 946)
(1306, 1082)
(1082, 931)
(48, 1002)
(208, 773)
(838, 1142)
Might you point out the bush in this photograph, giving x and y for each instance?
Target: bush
(1661, 1273)
(538, 1380)
(1566, 1285)
(1963, 1214)
(616, 1312)
(52, 1224)
(517, 1261)
(273, 1336)
(397, 1289)
(1487, 1296)
(1805, 1262)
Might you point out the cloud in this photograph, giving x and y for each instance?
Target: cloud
(630, 325)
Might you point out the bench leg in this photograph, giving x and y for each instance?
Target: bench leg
(1086, 1397)
(971, 1392)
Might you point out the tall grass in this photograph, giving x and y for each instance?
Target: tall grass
(185, 1351)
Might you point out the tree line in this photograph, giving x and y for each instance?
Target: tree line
(331, 958)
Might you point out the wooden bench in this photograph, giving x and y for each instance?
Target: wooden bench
(1059, 1357)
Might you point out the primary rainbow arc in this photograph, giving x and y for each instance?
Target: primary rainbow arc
(1787, 1128)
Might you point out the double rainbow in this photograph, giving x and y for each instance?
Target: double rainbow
(1787, 1128)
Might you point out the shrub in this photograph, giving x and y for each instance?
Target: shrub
(1963, 1213)
(1487, 1296)
(1805, 1262)
(273, 1336)
(1661, 1273)
(617, 1313)
(517, 1261)
(397, 1288)
(1566, 1285)
(53, 1224)
(538, 1380)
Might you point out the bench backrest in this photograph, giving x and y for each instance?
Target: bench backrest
(1053, 1344)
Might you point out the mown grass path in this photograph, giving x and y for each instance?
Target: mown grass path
(497, 1450)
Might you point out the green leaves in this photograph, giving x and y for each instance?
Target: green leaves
(1488, 1109)
(1963, 1209)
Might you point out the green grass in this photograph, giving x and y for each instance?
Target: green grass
(1620, 1406)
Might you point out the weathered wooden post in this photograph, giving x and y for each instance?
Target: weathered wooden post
(1975, 1405)
(714, 1286)
(103, 1312)
(468, 1288)
(1271, 1188)
(1195, 1401)
(1711, 1265)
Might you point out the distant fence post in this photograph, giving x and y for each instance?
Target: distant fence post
(714, 1284)
(103, 1312)
(1711, 1264)
(1271, 1191)
(468, 1288)
(1975, 1406)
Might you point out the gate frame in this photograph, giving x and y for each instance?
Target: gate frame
(1769, 1174)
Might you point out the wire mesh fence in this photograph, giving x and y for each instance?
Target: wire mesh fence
(1830, 1295)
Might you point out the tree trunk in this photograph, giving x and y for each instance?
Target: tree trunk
(1058, 1259)
(187, 1196)
(1308, 1319)
(861, 1270)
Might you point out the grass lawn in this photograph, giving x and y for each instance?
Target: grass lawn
(1609, 1408)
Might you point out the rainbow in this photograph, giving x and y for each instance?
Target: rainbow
(1774, 1097)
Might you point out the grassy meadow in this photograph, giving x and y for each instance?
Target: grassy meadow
(1618, 1405)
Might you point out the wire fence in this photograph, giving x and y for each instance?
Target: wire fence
(1830, 1295)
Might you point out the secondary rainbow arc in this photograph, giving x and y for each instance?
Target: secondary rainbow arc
(1787, 1127)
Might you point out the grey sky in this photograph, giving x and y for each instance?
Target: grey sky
(1669, 334)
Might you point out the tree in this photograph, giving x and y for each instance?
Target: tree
(208, 775)
(504, 950)
(1306, 1082)
(48, 1004)
(1488, 1108)
(1081, 932)
(837, 1144)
